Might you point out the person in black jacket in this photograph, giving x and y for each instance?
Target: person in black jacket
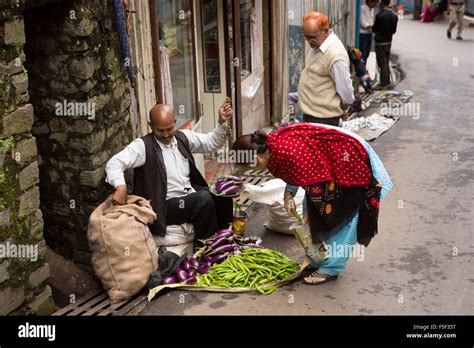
(385, 26)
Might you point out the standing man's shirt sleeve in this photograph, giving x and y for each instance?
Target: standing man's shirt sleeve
(206, 143)
(132, 156)
(342, 78)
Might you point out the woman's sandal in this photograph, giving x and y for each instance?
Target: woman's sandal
(316, 274)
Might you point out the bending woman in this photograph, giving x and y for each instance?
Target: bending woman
(342, 176)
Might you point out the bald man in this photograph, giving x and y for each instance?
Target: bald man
(165, 173)
(325, 89)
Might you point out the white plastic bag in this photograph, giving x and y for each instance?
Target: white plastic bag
(271, 193)
(178, 239)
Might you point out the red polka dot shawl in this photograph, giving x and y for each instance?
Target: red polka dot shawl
(304, 153)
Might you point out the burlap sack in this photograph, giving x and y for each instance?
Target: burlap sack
(123, 250)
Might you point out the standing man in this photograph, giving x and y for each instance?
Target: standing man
(165, 173)
(385, 26)
(456, 13)
(367, 18)
(325, 89)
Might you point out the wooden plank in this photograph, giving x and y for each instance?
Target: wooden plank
(89, 304)
(75, 305)
(97, 308)
(112, 308)
(132, 305)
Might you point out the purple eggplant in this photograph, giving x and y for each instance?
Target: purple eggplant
(221, 180)
(219, 242)
(227, 230)
(181, 274)
(203, 268)
(191, 280)
(237, 183)
(220, 258)
(226, 234)
(224, 249)
(192, 272)
(170, 280)
(205, 258)
(253, 245)
(231, 190)
(194, 263)
(232, 177)
(186, 264)
(224, 186)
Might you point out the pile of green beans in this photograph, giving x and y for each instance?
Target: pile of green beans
(251, 269)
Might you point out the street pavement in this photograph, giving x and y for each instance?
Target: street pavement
(421, 262)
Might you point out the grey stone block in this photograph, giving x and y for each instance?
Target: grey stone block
(18, 121)
(29, 176)
(39, 276)
(29, 202)
(10, 299)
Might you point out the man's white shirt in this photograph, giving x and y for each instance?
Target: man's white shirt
(177, 166)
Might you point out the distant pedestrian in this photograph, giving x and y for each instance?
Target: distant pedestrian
(456, 10)
(430, 12)
(367, 18)
(385, 25)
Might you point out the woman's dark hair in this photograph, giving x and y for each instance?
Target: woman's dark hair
(257, 141)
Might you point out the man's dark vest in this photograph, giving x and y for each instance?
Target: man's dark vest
(150, 180)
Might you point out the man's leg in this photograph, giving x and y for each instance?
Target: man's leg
(383, 56)
(197, 208)
(387, 60)
(452, 19)
(460, 15)
(365, 43)
(224, 211)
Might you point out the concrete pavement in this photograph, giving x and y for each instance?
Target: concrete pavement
(422, 260)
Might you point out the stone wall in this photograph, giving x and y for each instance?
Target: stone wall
(81, 96)
(64, 111)
(23, 271)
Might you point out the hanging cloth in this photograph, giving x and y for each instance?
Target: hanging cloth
(166, 75)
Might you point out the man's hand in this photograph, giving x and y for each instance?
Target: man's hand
(225, 111)
(120, 195)
(289, 204)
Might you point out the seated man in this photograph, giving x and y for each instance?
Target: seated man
(165, 173)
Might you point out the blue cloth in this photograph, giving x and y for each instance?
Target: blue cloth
(346, 238)
(123, 37)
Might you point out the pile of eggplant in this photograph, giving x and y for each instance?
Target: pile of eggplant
(229, 185)
(216, 250)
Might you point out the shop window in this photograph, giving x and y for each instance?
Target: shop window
(210, 34)
(175, 32)
(247, 8)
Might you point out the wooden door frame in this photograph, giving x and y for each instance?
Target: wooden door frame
(230, 61)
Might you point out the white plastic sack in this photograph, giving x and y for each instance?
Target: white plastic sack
(271, 193)
(178, 239)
